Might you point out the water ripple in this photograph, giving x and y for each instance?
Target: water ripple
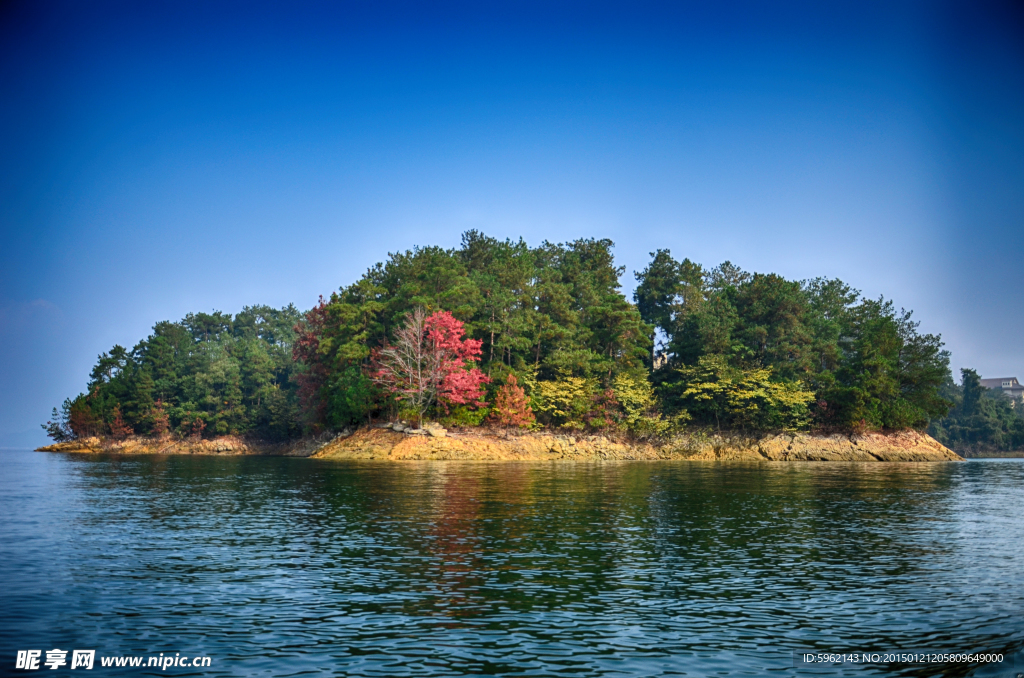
(291, 567)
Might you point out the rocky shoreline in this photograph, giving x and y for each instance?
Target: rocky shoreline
(402, 442)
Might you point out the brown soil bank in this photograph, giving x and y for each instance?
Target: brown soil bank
(380, 443)
(386, 444)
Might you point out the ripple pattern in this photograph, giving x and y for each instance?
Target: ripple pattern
(289, 567)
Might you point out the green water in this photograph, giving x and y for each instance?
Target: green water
(301, 567)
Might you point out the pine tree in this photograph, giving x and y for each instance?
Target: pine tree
(59, 427)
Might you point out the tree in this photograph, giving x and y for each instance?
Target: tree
(564, 402)
(656, 294)
(511, 406)
(306, 352)
(161, 422)
(554, 315)
(332, 350)
(58, 427)
(461, 383)
(641, 415)
(237, 375)
(668, 291)
(196, 432)
(889, 375)
(725, 275)
(742, 398)
(553, 309)
(119, 430)
(981, 420)
(605, 411)
(83, 421)
(972, 390)
(772, 325)
(431, 363)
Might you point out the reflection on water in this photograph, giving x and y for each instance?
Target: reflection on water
(291, 566)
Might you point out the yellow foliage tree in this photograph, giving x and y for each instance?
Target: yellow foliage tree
(640, 407)
(743, 398)
(564, 402)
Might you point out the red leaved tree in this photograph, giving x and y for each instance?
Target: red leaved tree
(306, 351)
(431, 363)
(511, 406)
(161, 422)
(197, 429)
(604, 410)
(118, 428)
(83, 422)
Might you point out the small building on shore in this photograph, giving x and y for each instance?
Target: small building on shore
(1008, 385)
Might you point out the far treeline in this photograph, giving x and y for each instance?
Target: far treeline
(498, 333)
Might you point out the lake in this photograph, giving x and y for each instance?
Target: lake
(275, 566)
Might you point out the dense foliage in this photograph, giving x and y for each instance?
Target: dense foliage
(208, 374)
(526, 337)
(551, 315)
(758, 351)
(982, 420)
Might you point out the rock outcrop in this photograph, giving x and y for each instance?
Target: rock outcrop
(403, 442)
(902, 446)
(388, 444)
(222, 445)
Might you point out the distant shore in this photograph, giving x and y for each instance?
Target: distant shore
(435, 443)
(994, 454)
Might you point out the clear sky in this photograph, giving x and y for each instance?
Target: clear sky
(160, 158)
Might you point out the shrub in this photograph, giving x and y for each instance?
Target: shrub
(465, 415)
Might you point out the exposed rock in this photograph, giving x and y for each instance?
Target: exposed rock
(223, 445)
(906, 446)
(80, 445)
(438, 443)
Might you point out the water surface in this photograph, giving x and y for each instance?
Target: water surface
(285, 567)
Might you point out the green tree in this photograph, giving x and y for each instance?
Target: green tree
(750, 399)
(981, 420)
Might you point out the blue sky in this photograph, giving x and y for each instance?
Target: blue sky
(161, 158)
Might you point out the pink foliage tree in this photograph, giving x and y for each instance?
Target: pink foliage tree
(431, 362)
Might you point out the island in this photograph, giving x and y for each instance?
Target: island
(499, 350)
